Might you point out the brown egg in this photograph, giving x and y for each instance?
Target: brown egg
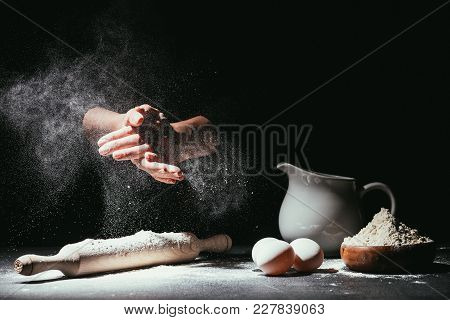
(260, 244)
(308, 255)
(275, 257)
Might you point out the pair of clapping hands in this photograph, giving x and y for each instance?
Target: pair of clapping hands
(127, 143)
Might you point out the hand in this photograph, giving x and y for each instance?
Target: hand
(126, 144)
(197, 138)
(161, 172)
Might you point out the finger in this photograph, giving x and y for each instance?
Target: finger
(134, 118)
(153, 164)
(157, 169)
(162, 116)
(128, 141)
(163, 173)
(166, 175)
(122, 132)
(163, 180)
(135, 152)
(161, 170)
(144, 108)
(157, 166)
(150, 156)
(141, 161)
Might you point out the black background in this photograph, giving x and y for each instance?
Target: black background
(382, 120)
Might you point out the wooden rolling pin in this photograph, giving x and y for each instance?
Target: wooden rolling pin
(145, 248)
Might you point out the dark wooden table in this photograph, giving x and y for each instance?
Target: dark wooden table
(232, 276)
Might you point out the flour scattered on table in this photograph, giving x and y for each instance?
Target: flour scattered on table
(338, 267)
(341, 270)
(142, 240)
(384, 231)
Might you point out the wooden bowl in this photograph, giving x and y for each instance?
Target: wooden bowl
(388, 259)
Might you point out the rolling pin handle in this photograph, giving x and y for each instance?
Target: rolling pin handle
(217, 243)
(24, 265)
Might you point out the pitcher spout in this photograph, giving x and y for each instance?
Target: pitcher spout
(288, 168)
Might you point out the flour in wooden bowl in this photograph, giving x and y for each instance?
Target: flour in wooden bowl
(384, 231)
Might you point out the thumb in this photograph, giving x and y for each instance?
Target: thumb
(134, 118)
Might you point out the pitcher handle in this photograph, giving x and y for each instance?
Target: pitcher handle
(380, 186)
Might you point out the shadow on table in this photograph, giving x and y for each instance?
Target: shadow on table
(61, 277)
(436, 267)
(295, 274)
(230, 263)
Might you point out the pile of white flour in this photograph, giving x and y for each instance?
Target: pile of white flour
(383, 231)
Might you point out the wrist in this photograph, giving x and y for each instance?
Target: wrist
(189, 124)
(177, 126)
(119, 121)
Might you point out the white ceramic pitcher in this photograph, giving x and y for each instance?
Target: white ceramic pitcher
(322, 207)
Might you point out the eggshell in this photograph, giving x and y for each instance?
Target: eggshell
(308, 255)
(260, 244)
(275, 257)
